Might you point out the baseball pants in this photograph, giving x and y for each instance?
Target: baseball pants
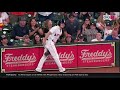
(52, 49)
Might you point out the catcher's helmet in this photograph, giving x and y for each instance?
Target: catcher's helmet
(61, 21)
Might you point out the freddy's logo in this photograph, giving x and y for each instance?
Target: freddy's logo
(88, 55)
(12, 59)
(64, 56)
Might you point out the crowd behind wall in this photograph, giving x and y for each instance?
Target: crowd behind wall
(29, 28)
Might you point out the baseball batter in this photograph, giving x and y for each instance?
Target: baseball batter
(49, 46)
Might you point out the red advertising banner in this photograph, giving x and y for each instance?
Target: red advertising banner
(96, 55)
(67, 55)
(72, 56)
(26, 59)
(19, 59)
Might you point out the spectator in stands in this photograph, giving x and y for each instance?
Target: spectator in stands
(100, 23)
(30, 15)
(80, 38)
(90, 33)
(63, 40)
(37, 39)
(91, 15)
(4, 40)
(113, 36)
(85, 25)
(108, 29)
(116, 26)
(72, 27)
(95, 15)
(115, 15)
(4, 19)
(116, 23)
(84, 15)
(20, 29)
(117, 29)
(98, 37)
(68, 39)
(14, 16)
(26, 40)
(42, 16)
(65, 15)
(47, 26)
(34, 28)
(76, 14)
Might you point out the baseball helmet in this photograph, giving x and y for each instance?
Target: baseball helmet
(61, 21)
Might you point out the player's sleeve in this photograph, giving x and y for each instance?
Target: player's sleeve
(52, 30)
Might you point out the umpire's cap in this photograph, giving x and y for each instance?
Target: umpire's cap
(61, 21)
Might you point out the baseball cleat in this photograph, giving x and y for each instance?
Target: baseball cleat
(38, 70)
(64, 71)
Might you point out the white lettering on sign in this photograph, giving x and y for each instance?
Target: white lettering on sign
(87, 55)
(63, 57)
(12, 59)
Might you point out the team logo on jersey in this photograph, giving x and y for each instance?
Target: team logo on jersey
(56, 34)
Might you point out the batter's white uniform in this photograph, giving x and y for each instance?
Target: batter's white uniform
(50, 45)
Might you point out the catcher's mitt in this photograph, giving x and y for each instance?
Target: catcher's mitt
(47, 53)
